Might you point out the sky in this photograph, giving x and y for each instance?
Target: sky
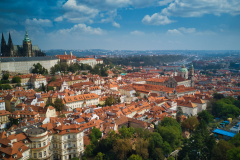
(124, 24)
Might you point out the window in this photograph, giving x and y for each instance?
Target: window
(69, 136)
(65, 146)
(73, 136)
(45, 153)
(73, 145)
(35, 155)
(44, 143)
(39, 145)
(69, 144)
(40, 155)
(34, 145)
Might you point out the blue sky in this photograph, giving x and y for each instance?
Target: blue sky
(124, 24)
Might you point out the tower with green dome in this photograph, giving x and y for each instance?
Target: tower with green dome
(183, 72)
(27, 46)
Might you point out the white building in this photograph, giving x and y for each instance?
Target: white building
(24, 65)
(2, 105)
(90, 61)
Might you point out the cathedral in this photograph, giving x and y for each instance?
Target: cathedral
(25, 50)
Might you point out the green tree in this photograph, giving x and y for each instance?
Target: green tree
(5, 87)
(75, 158)
(95, 135)
(53, 79)
(64, 67)
(206, 116)
(16, 79)
(190, 123)
(167, 121)
(84, 73)
(18, 85)
(126, 132)
(39, 69)
(135, 157)
(43, 87)
(109, 101)
(171, 158)
(5, 76)
(50, 88)
(167, 149)
(58, 104)
(220, 151)
(235, 140)
(179, 113)
(233, 154)
(99, 156)
(122, 147)
(142, 148)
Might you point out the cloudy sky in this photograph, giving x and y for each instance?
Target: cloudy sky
(124, 24)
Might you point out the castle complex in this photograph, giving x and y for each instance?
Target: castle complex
(25, 50)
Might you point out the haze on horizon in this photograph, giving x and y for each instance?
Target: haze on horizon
(124, 24)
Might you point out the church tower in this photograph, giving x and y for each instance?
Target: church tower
(10, 46)
(191, 75)
(27, 46)
(3, 47)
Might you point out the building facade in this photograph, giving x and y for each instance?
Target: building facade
(24, 65)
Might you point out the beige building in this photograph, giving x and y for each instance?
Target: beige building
(80, 101)
(4, 121)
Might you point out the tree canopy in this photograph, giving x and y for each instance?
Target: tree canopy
(39, 69)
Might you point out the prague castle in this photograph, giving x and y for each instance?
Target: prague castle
(25, 50)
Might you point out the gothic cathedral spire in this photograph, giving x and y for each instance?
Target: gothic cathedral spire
(3, 46)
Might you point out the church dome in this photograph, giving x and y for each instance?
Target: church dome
(183, 69)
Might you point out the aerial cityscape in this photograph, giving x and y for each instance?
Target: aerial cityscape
(120, 80)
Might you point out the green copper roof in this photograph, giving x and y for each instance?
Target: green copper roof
(183, 70)
(26, 39)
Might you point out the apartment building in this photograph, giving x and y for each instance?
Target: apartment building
(63, 141)
(80, 101)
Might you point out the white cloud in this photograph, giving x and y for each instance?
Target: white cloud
(58, 19)
(156, 19)
(187, 30)
(82, 28)
(197, 8)
(164, 2)
(174, 32)
(136, 32)
(115, 24)
(39, 22)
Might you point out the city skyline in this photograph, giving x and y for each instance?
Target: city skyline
(124, 24)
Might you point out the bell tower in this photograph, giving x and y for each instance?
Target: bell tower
(191, 75)
(27, 46)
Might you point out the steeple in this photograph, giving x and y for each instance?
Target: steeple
(10, 43)
(3, 42)
(26, 39)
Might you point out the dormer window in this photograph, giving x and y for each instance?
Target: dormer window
(3, 154)
(15, 156)
(68, 130)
